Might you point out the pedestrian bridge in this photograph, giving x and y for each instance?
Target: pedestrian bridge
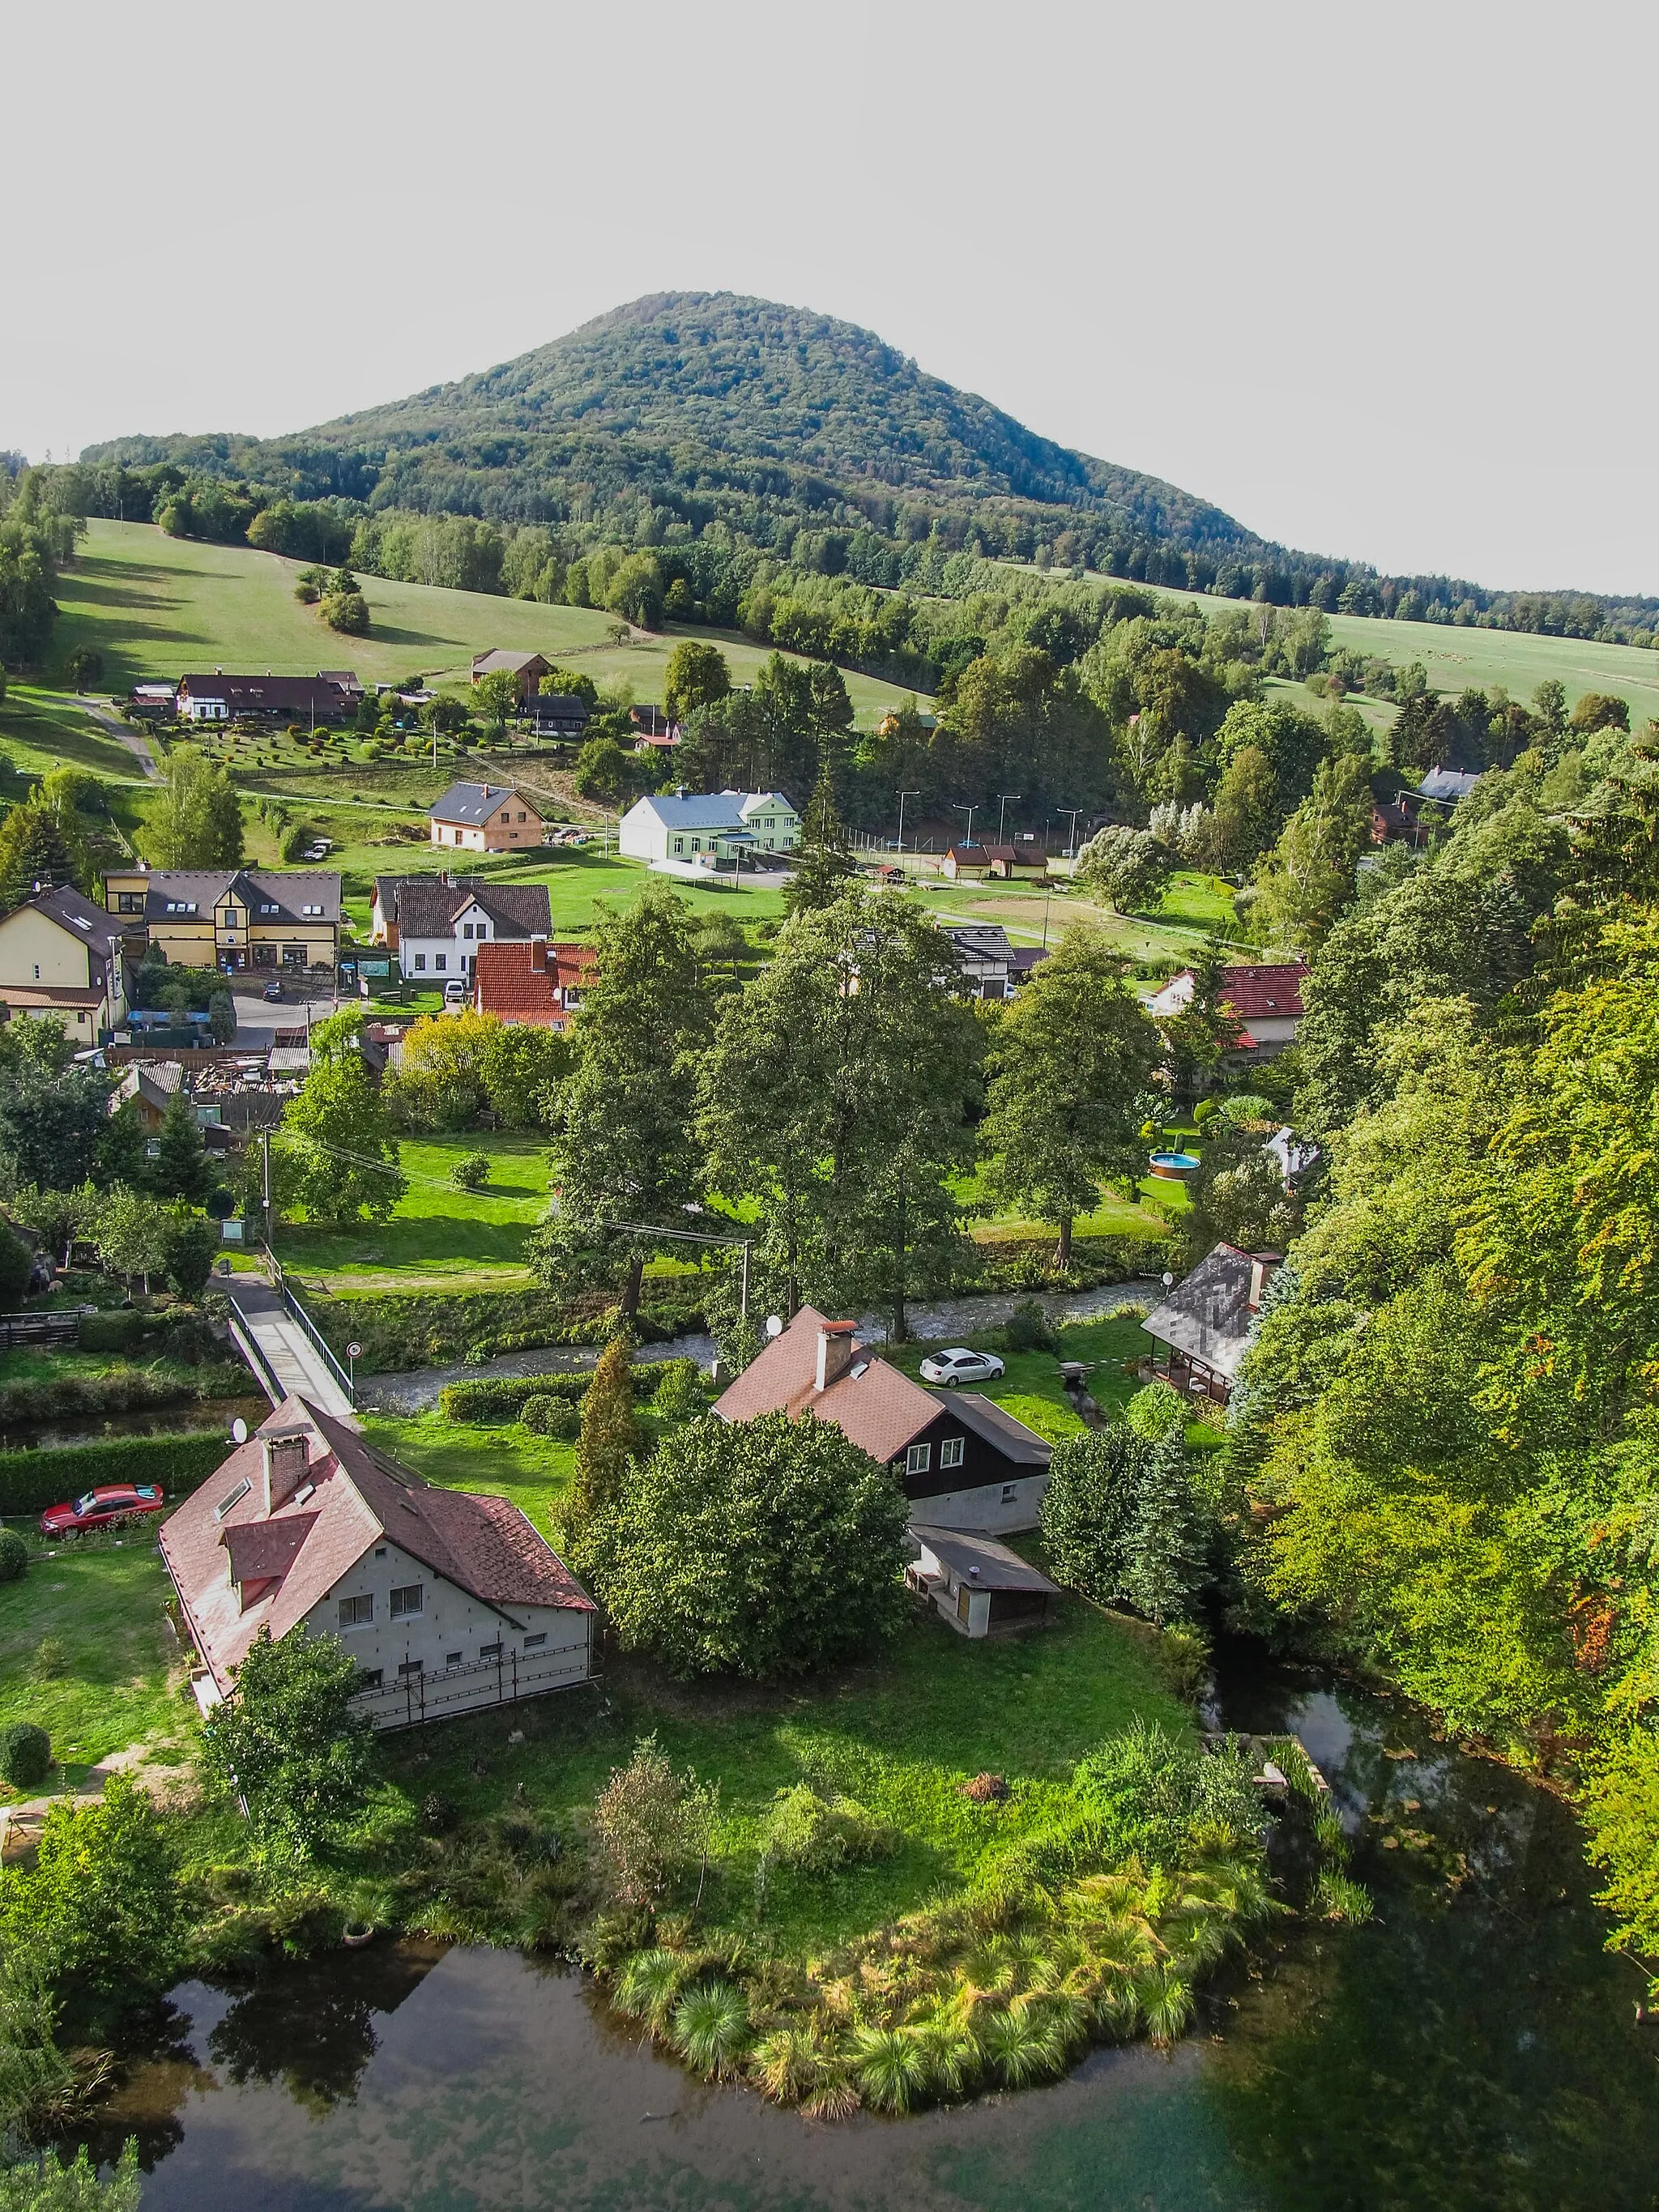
(279, 1342)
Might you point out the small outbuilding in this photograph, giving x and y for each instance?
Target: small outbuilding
(981, 1587)
(1201, 1330)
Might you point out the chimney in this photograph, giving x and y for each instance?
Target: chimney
(285, 1466)
(1261, 1265)
(835, 1350)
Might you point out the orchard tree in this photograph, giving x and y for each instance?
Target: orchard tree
(764, 1548)
(1072, 1061)
(624, 1164)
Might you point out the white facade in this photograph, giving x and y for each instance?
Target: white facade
(694, 830)
(423, 958)
(192, 709)
(443, 1650)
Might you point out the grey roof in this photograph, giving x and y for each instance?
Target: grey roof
(80, 917)
(287, 889)
(980, 1560)
(483, 663)
(426, 906)
(983, 941)
(472, 804)
(990, 1422)
(560, 706)
(327, 690)
(1208, 1315)
(1447, 785)
(721, 811)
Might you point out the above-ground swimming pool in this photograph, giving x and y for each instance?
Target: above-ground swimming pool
(1176, 1165)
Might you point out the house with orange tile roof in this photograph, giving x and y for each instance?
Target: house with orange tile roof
(539, 982)
(448, 1601)
(964, 1462)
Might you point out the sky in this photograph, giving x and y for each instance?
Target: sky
(1380, 282)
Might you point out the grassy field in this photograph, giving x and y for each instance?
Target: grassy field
(86, 1654)
(1192, 906)
(42, 730)
(440, 1238)
(535, 1471)
(157, 607)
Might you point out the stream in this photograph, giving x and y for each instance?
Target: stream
(1474, 2046)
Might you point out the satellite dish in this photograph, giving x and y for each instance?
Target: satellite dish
(1167, 1278)
(238, 1431)
(775, 1325)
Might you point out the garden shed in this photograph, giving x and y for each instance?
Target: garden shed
(981, 1587)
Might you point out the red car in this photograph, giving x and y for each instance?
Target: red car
(111, 1506)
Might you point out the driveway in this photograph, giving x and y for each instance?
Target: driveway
(135, 740)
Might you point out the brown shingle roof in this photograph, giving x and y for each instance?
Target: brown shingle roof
(873, 1405)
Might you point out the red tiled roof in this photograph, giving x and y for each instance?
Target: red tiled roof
(873, 1405)
(521, 982)
(1255, 993)
(287, 1562)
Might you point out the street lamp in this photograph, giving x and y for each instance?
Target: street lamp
(902, 796)
(960, 806)
(1003, 797)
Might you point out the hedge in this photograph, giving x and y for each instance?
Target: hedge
(32, 1480)
(499, 1397)
(437, 1331)
(131, 1390)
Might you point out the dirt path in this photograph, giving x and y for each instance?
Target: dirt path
(135, 740)
(20, 1824)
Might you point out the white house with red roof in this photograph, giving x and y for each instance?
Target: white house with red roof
(1266, 1002)
(963, 1461)
(447, 1602)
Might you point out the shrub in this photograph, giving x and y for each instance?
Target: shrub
(815, 1835)
(1153, 1412)
(14, 1556)
(766, 1548)
(679, 1394)
(471, 1173)
(544, 1415)
(287, 1741)
(25, 1754)
(651, 1824)
(1027, 1329)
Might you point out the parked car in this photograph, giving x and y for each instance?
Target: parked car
(273, 991)
(111, 1506)
(456, 992)
(961, 1365)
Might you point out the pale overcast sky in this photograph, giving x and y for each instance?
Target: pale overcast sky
(1381, 282)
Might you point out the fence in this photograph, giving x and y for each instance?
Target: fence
(504, 1681)
(279, 1283)
(39, 1328)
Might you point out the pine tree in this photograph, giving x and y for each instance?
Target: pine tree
(179, 1168)
(1164, 1566)
(824, 859)
(610, 1440)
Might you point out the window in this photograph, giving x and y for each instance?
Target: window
(521, 814)
(270, 907)
(467, 929)
(407, 1600)
(535, 1642)
(441, 961)
(679, 844)
(490, 1651)
(370, 1678)
(128, 902)
(452, 1658)
(1008, 1494)
(314, 910)
(950, 1451)
(420, 960)
(380, 1551)
(918, 1459)
(356, 1611)
(232, 1497)
(410, 1667)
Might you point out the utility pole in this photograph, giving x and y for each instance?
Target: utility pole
(265, 1135)
(1003, 797)
(903, 795)
(960, 806)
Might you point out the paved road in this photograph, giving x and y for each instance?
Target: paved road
(290, 1364)
(135, 740)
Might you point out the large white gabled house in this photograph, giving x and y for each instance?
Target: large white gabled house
(679, 831)
(447, 1602)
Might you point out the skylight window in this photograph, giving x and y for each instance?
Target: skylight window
(232, 1497)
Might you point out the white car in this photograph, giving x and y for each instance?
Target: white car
(455, 991)
(961, 1365)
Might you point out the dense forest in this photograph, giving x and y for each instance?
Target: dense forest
(689, 419)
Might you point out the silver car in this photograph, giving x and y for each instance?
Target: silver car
(961, 1365)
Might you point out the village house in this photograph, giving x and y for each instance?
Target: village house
(149, 1084)
(448, 1602)
(966, 862)
(60, 960)
(559, 715)
(986, 956)
(485, 818)
(528, 667)
(330, 696)
(961, 1461)
(232, 919)
(981, 1587)
(1265, 1003)
(539, 984)
(436, 924)
(1203, 1326)
(653, 731)
(679, 831)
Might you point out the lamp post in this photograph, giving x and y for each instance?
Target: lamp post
(1003, 797)
(960, 806)
(902, 796)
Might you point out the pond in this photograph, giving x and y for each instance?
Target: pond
(1474, 2045)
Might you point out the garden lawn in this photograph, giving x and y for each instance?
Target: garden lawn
(85, 1653)
(535, 1471)
(1031, 1388)
(438, 1237)
(901, 1734)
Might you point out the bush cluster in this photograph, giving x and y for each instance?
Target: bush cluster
(25, 1754)
(400, 1332)
(503, 1397)
(32, 1480)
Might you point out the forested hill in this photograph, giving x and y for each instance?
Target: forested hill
(707, 406)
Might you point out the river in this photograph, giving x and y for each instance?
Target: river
(1474, 2045)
